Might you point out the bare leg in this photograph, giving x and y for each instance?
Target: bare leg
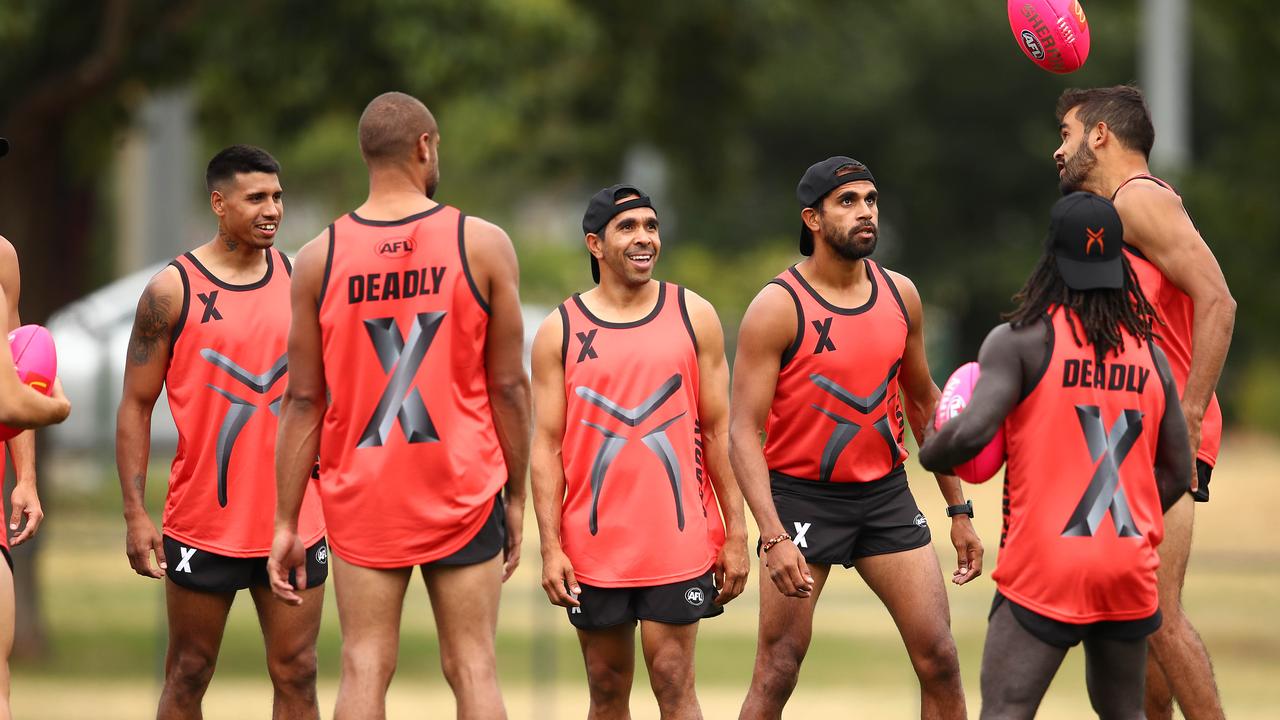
(6, 635)
(196, 622)
(1176, 648)
(290, 635)
(1017, 668)
(1114, 674)
(786, 627)
(464, 600)
(668, 654)
(910, 585)
(369, 605)
(610, 656)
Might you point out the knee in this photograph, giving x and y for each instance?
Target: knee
(294, 674)
(609, 682)
(671, 676)
(469, 670)
(188, 671)
(937, 662)
(369, 663)
(778, 667)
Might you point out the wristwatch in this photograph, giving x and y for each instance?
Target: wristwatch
(965, 509)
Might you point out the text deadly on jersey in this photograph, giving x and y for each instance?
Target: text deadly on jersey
(1086, 373)
(394, 285)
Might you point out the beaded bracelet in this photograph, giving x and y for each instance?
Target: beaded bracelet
(773, 541)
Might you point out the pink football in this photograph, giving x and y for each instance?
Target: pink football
(1053, 34)
(955, 397)
(36, 361)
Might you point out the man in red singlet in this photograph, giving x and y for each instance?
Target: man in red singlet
(1106, 139)
(831, 357)
(1097, 453)
(20, 406)
(638, 511)
(406, 376)
(211, 330)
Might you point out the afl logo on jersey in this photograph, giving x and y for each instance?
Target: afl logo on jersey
(322, 554)
(397, 248)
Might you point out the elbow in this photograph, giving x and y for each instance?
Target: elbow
(510, 391)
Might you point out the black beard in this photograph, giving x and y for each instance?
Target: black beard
(1076, 170)
(849, 247)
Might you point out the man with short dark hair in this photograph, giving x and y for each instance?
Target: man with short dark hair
(640, 517)
(210, 330)
(1097, 453)
(827, 353)
(1107, 137)
(407, 377)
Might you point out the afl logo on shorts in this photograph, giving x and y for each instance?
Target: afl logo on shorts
(322, 554)
(398, 248)
(920, 521)
(694, 596)
(1033, 44)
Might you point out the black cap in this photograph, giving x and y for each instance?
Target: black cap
(603, 207)
(1087, 241)
(820, 179)
(4, 147)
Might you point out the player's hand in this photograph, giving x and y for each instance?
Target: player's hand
(64, 402)
(968, 550)
(788, 570)
(558, 580)
(515, 536)
(731, 569)
(25, 501)
(1194, 420)
(140, 541)
(288, 558)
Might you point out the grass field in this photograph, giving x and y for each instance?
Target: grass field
(107, 627)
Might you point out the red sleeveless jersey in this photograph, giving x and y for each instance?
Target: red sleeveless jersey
(836, 413)
(1177, 315)
(409, 457)
(227, 373)
(1082, 512)
(639, 506)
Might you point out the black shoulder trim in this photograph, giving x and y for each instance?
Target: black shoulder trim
(564, 335)
(288, 266)
(791, 351)
(684, 315)
(186, 305)
(466, 269)
(657, 308)
(1033, 381)
(328, 267)
(893, 288)
(1144, 176)
(870, 303)
(392, 223)
(260, 282)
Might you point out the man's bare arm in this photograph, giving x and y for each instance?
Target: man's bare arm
(1173, 449)
(558, 579)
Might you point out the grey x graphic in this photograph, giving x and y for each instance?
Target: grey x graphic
(240, 410)
(1104, 491)
(400, 358)
(846, 429)
(656, 440)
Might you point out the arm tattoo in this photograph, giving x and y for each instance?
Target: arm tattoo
(150, 327)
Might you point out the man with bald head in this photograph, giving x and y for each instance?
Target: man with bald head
(406, 378)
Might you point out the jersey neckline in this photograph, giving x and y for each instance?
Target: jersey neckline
(871, 299)
(657, 308)
(393, 223)
(260, 282)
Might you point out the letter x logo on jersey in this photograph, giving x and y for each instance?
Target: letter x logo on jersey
(845, 428)
(1109, 450)
(823, 327)
(656, 440)
(587, 352)
(210, 311)
(400, 358)
(240, 410)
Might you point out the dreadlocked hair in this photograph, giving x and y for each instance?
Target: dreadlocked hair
(1100, 315)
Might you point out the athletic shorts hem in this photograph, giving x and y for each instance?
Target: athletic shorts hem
(8, 557)
(1204, 473)
(239, 553)
(208, 572)
(646, 582)
(1051, 614)
(927, 541)
(409, 561)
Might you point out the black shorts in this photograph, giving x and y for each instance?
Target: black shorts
(677, 603)
(837, 523)
(204, 571)
(1065, 635)
(1203, 472)
(488, 541)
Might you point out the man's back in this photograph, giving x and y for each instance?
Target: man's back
(410, 460)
